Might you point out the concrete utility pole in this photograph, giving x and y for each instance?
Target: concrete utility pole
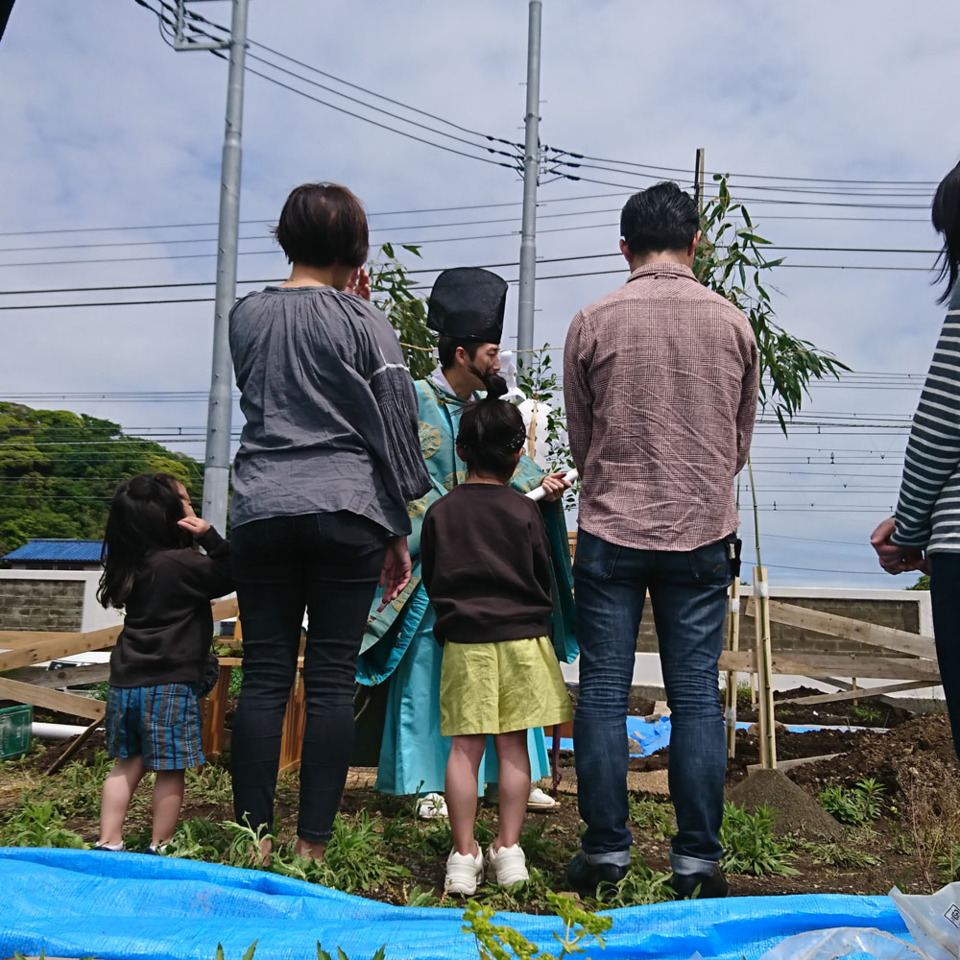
(531, 171)
(216, 473)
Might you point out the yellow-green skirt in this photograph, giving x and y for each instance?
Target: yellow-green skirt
(501, 687)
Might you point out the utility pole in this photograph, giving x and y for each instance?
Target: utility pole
(531, 171)
(216, 472)
(698, 178)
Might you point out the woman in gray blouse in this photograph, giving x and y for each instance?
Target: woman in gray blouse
(328, 458)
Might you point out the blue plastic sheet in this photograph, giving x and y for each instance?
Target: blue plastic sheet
(646, 737)
(129, 906)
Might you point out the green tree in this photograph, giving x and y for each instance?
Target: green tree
(393, 291)
(58, 471)
(730, 260)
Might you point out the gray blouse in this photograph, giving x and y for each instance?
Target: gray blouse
(331, 412)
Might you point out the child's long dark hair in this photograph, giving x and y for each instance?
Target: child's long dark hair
(143, 516)
(946, 220)
(491, 432)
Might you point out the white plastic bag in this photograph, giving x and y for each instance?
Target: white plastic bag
(839, 942)
(933, 921)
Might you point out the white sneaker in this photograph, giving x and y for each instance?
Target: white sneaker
(506, 866)
(539, 800)
(464, 872)
(432, 807)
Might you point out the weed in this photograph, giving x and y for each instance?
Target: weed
(836, 854)
(512, 899)
(948, 861)
(857, 805)
(210, 784)
(866, 713)
(236, 679)
(421, 898)
(353, 861)
(494, 941)
(323, 955)
(652, 815)
(39, 824)
(750, 844)
(640, 886)
(199, 839)
(247, 954)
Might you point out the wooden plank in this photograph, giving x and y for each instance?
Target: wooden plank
(837, 664)
(21, 648)
(62, 677)
(225, 609)
(849, 629)
(789, 764)
(42, 647)
(69, 703)
(855, 694)
(22, 639)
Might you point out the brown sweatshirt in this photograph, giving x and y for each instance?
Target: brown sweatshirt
(485, 563)
(168, 625)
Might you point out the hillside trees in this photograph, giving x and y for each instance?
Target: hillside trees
(58, 471)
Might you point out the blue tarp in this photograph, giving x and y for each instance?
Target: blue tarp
(646, 737)
(74, 903)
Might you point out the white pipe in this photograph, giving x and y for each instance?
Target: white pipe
(55, 731)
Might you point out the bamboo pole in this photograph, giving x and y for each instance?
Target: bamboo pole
(733, 644)
(768, 738)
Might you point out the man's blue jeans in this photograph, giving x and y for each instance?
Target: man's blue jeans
(688, 592)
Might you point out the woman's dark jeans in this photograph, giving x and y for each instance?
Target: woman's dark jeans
(327, 564)
(945, 601)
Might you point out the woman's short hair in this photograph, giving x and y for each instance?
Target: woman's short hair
(323, 225)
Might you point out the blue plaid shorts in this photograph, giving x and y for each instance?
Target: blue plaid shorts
(162, 724)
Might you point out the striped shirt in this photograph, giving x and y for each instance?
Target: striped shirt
(928, 511)
(660, 384)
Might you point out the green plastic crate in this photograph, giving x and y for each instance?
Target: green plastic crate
(15, 730)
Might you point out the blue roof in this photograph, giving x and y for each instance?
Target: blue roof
(72, 551)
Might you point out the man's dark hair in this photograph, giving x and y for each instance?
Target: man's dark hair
(323, 225)
(491, 432)
(946, 220)
(447, 350)
(660, 218)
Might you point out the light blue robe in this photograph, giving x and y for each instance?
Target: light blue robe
(399, 642)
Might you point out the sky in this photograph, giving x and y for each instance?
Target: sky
(111, 154)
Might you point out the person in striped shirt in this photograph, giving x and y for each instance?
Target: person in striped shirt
(925, 532)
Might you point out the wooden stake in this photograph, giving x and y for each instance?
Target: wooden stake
(733, 644)
(73, 748)
(768, 737)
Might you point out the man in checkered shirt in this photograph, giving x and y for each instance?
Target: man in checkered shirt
(660, 383)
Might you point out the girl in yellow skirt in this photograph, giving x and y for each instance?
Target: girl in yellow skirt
(486, 568)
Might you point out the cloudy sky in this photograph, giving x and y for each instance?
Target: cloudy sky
(110, 162)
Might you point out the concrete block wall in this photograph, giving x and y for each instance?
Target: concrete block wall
(53, 600)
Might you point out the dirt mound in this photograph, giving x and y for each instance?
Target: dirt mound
(918, 754)
(799, 812)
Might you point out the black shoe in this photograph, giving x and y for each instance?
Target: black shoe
(585, 877)
(702, 886)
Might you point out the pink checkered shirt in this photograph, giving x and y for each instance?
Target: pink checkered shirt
(660, 384)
